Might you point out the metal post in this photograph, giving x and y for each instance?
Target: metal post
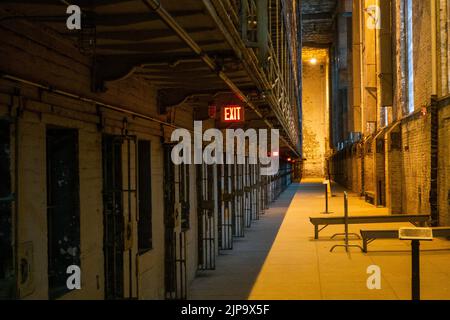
(346, 219)
(415, 244)
(346, 245)
(263, 30)
(327, 211)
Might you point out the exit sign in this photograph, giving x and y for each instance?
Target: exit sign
(233, 113)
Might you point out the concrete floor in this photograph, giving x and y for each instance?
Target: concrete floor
(279, 259)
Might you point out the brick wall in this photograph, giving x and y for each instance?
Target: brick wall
(416, 163)
(315, 124)
(369, 154)
(444, 165)
(41, 56)
(421, 53)
(394, 169)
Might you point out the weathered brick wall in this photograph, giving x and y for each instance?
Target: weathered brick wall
(369, 179)
(356, 168)
(315, 127)
(416, 163)
(43, 57)
(394, 169)
(444, 166)
(379, 175)
(422, 53)
(405, 167)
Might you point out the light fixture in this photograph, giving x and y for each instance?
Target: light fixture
(313, 61)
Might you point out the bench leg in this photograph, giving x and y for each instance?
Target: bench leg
(364, 245)
(316, 232)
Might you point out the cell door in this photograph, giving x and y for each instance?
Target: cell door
(63, 207)
(206, 218)
(265, 191)
(7, 276)
(255, 192)
(238, 212)
(119, 205)
(176, 223)
(225, 223)
(247, 194)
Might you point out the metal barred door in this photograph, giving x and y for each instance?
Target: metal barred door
(255, 192)
(265, 191)
(7, 274)
(248, 205)
(119, 197)
(259, 188)
(206, 218)
(174, 235)
(225, 223)
(239, 200)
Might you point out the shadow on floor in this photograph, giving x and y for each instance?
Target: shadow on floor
(237, 270)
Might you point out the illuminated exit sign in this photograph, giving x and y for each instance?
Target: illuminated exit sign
(233, 113)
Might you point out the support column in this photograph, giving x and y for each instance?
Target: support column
(370, 79)
(357, 66)
(384, 64)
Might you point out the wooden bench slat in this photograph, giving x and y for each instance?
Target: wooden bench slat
(370, 219)
(421, 219)
(370, 235)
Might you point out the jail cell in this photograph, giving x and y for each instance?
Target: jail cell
(255, 194)
(264, 192)
(247, 186)
(270, 190)
(183, 194)
(238, 212)
(175, 245)
(7, 274)
(225, 205)
(206, 217)
(261, 190)
(276, 186)
(120, 215)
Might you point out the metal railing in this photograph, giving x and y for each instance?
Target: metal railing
(277, 66)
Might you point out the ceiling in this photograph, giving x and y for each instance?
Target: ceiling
(128, 37)
(317, 17)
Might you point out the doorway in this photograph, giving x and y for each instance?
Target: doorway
(63, 207)
(176, 224)
(119, 215)
(7, 276)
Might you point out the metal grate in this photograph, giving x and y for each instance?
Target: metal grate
(175, 258)
(206, 218)
(225, 220)
(119, 209)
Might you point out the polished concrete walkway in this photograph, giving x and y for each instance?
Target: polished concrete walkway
(279, 258)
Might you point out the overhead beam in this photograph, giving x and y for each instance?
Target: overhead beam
(141, 35)
(153, 47)
(317, 16)
(111, 20)
(81, 3)
(119, 67)
(314, 44)
(155, 6)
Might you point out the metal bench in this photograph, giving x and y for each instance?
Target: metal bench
(368, 236)
(417, 220)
